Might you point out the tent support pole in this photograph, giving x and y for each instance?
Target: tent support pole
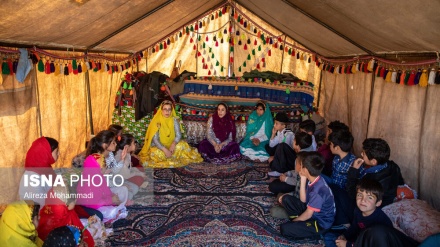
(37, 92)
(197, 51)
(319, 90)
(373, 80)
(282, 54)
(89, 101)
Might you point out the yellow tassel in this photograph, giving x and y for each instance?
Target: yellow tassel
(57, 69)
(423, 82)
(172, 39)
(249, 27)
(301, 57)
(353, 68)
(321, 67)
(236, 87)
(388, 78)
(370, 65)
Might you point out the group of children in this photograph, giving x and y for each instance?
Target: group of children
(327, 191)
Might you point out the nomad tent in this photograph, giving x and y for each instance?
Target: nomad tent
(351, 51)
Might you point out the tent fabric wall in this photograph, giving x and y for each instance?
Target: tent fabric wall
(18, 123)
(347, 98)
(404, 116)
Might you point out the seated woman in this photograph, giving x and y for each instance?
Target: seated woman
(258, 131)
(39, 159)
(59, 211)
(163, 147)
(220, 146)
(18, 225)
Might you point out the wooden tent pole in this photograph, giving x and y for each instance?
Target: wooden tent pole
(89, 101)
(282, 54)
(319, 90)
(37, 92)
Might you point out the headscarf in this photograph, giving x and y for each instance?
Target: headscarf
(39, 158)
(16, 225)
(223, 126)
(55, 213)
(164, 125)
(255, 122)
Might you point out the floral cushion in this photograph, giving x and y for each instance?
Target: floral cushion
(415, 218)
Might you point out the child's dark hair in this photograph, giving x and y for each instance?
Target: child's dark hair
(337, 125)
(312, 161)
(126, 139)
(95, 144)
(303, 140)
(308, 125)
(370, 186)
(52, 142)
(115, 128)
(376, 148)
(343, 139)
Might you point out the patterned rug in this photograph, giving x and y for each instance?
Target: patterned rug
(204, 205)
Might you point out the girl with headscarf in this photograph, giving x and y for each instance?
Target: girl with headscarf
(39, 159)
(59, 211)
(258, 131)
(163, 147)
(220, 146)
(18, 225)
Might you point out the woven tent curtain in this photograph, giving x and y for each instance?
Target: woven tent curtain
(18, 128)
(404, 116)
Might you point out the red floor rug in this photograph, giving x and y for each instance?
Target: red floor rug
(204, 205)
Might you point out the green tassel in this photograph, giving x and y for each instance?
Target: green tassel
(239, 69)
(217, 63)
(221, 70)
(249, 57)
(253, 52)
(259, 48)
(161, 46)
(210, 49)
(7, 71)
(124, 86)
(220, 13)
(187, 29)
(74, 64)
(40, 65)
(191, 28)
(212, 56)
(287, 90)
(244, 64)
(408, 73)
(290, 51)
(239, 18)
(199, 37)
(231, 49)
(262, 38)
(203, 45)
(118, 93)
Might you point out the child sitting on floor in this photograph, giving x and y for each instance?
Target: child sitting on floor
(340, 145)
(308, 126)
(324, 149)
(289, 181)
(314, 211)
(280, 134)
(367, 213)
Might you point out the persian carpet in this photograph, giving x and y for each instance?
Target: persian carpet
(204, 205)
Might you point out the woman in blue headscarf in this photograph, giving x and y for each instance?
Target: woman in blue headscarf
(258, 131)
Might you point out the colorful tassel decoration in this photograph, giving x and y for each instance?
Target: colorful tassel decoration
(388, 76)
(47, 67)
(80, 68)
(66, 70)
(398, 75)
(410, 75)
(52, 67)
(40, 66)
(437, 77)
(417, 77)
(423, 81)
(431, 79)
(269, 53)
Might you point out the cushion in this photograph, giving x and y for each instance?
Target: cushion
(415, 218)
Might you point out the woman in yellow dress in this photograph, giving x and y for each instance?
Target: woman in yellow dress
(163, 147)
